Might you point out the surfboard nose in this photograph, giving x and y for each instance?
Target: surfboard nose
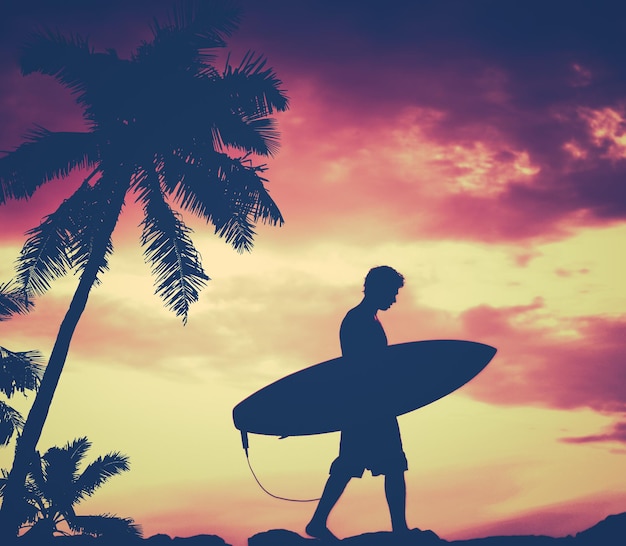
(488, 351)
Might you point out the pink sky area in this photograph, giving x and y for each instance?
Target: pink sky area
(479, 148)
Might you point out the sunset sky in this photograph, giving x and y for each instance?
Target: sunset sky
(476, 146)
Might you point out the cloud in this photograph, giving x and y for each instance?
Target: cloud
(264, 330)
(425, 121)
(616, 433)
(396, 178)
(543, 360)
(261, 331)
(520, 149)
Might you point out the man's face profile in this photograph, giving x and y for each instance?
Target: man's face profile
(384, 297)
(381, 287)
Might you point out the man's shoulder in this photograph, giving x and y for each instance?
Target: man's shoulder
(356, 314)
(358, 322)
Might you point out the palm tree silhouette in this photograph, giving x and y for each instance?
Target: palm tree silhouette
(166, 127)
(55, 485)
(19, 371)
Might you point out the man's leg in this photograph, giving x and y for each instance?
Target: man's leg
(395, 491)
(332, 491)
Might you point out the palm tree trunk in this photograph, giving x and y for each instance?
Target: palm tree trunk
(27, 441)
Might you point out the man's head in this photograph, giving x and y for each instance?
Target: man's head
(381, 286)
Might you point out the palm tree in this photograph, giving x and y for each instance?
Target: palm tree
(55, 485)
(166, 128)
(19, 371)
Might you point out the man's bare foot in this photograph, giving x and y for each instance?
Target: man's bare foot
(320, 531)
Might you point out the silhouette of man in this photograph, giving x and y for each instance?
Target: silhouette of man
(372, 441)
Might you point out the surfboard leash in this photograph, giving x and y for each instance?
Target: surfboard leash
(244, 437)
(272, 494)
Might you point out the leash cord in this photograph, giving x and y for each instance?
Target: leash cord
(271, 494)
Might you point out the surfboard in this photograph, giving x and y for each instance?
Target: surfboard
(328, 396)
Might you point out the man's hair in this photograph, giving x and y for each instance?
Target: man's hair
(382, 277)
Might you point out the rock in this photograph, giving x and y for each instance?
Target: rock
(196, 540)
(609, 532)
(517, 540)
(199, 540)
(79, 540)
(158, 540)
(280, 537)
(415, 537)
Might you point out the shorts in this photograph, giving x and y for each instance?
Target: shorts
(375, 446)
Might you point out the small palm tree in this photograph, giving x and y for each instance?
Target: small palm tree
(55, 485)
(19, 371)
(165, 129)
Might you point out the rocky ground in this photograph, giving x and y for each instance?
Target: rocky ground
(609, 532)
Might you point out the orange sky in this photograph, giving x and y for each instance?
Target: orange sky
(502, 208)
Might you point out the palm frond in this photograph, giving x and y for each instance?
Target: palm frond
(192, 30)
(225, 191)
(259, 136)
(268, 136)
(254, 89)
(41, 530)
(92, 77)
(12, 300)
(77, 449)
(61, 463)
(92, 224)
(34, 481)
(20, 371)
(51, 53)
(238, 231)
(266, 210)
(46, 254)
(54, 485)
(105, 526)
(205, 191)
(99, 472)
(26, 507)
(236, 105)
(169, 100)
(210, 21)
(249, 202)
(4, 478)
(44, 156)
(11, 421)
(196, 182)
(67, 238)
(31, 502)
(212, 185)
(60, 472)
(246, 190)
(167, 246)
